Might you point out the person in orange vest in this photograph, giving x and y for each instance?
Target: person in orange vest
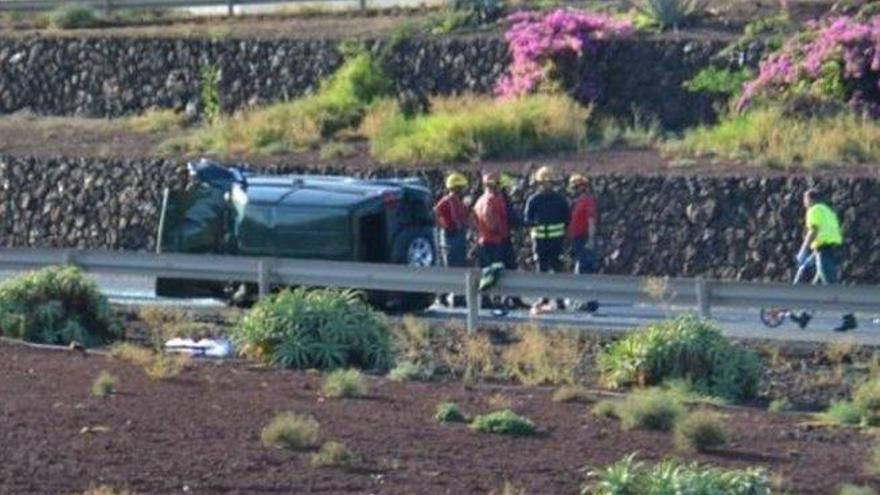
(582, 231)
(491, 220)
(452, 217)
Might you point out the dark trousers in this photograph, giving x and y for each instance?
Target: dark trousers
(491, 253)
(584, 257)
(827, 265)
(548, 254)
(454, 248)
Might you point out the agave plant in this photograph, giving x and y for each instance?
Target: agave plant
(324, 329)
(672, 13)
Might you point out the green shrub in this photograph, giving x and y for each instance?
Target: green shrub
(210, 92)
(473, 128)
(156, 120)
(632, 477)
(685, 348)
(324, 329)
(542, 357)
(104, 384)
(339, 104)
(291, 431)
(56, 305)
(345, 383)
(866, 398)
(714, 80)
(769, 137)
(448, 412)
(780, 405)
(73, 16)
(650, 409)
(408, 371)
(333, 454)
(701, 431)
(672, 13)
(843, 413)
(848, 489)
(606, 409)
(504, 422)
(872, 466)
(482, 10)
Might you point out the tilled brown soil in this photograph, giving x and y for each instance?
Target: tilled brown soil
(200, 432)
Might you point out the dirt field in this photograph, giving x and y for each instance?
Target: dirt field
(200, 432)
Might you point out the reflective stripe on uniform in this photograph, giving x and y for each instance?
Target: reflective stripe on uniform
(551, 231)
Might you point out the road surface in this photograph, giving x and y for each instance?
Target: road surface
(738, 323)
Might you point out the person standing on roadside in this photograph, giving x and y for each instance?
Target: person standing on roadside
(493, 227)
(515, 221)
(547, 214)
(582, 231)
(452, 220)
(824, 238)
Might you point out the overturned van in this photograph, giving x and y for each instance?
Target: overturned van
(227, 210)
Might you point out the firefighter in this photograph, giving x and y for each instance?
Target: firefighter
(452, 218)
(515, 221)
(547, 214)
(582, 231)
(490, 217)
(493, 229)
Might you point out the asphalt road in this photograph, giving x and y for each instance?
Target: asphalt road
(739, 323)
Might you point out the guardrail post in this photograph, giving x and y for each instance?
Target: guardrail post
(472, 297)
(230, 8)
(263, 272)
(703, 303)
(68, 259)
(363, 5)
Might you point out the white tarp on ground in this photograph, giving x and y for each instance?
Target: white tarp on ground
(329, 5)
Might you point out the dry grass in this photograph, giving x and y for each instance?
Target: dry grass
(291, 431)
(509, 489)
(475, 128)
(767, 137)
(104, 385)
(156, 120)
(872, 465)
(167, 366)
(499, 401)
(701, 431)
(132, 354)
(573, 393)
(839, 351)
(477, 357)
(543, 357)
(333, 454)
(345, 384)
(107, 490)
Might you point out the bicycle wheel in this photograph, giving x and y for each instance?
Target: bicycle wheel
(773, 317)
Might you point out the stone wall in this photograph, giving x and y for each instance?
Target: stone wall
(734, 228)
(105, 77)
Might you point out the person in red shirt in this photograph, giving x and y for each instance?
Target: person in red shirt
(452, 217)
(582, 231)
(490, 217)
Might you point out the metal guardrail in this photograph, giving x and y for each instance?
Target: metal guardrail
(272, 272)
(111, 5)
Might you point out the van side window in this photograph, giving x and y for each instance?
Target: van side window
(323, 233)
(254, 230)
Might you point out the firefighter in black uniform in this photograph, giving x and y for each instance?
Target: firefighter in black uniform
(547, 214)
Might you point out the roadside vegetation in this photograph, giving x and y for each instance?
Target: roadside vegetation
(324, 329)
(56, 305)
(291, 431)
(633, 476)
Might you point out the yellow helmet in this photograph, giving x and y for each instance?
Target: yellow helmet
(577, 180)
(456, 180)
(506, 181)
(544, 174)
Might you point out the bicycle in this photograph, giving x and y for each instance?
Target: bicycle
(774, 317)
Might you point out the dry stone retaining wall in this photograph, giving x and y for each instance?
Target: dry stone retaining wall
(735, 228)
(108, 77)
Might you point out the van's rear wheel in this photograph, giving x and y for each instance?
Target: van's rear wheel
(414, 247)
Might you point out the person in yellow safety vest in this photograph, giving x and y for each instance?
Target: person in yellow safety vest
(547, 214)
(824, 238)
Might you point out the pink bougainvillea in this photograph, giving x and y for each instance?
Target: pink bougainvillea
(536, 40)
(836, 59)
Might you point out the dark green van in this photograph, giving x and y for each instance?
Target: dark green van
(227, 210)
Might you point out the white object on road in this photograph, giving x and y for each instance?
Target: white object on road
(205, 347)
